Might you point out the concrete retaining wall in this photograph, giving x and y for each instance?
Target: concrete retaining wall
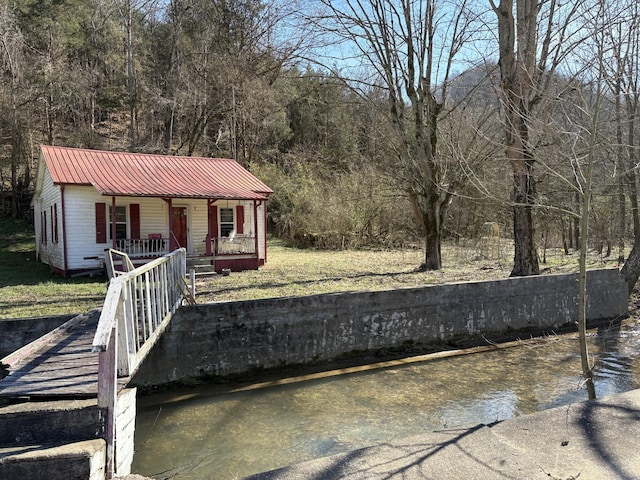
(234, 337)
(37, 423)
(125, 426)
(16, 333)
(64, 439)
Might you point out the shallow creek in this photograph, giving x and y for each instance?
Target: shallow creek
(226, 432)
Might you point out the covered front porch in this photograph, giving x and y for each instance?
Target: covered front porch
(223, 233)
(234, 253)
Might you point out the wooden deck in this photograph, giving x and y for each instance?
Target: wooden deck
(60, 365)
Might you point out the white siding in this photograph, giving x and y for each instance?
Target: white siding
(84, 252)
(49, 251)
(154, 218)
(197, 224)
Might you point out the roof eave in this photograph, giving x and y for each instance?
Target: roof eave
(199, 197)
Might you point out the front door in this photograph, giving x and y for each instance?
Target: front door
(179, 225)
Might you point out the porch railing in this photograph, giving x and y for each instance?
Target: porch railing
(137, 309)
(143, 247)
(238, 244)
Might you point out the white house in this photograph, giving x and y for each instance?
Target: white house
(87, 201)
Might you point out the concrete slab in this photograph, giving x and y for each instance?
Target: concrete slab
(588, 440)
(74, 461)
(469, 454)
(32, 423)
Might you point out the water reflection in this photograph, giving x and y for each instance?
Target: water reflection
(205, 434)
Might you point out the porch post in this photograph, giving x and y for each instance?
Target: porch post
(208, 238)
(172, 242)
(172, 237)
(113, 223)
(64, 231)
(264, 227)
(255, 229)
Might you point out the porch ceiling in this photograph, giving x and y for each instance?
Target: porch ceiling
(143, 175)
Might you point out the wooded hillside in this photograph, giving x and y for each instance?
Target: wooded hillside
(383, 123)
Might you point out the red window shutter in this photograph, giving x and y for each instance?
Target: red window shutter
(101, 223)
(213, 221)
(134, 220)
(239, 219)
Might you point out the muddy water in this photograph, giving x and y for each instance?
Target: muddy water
(209, 433)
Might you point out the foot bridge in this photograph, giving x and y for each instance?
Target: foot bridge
(65, 409)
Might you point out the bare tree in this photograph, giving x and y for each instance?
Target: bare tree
(534, 38)
(11, 59)
(411, 48)
(213, 62)
(622, 76)
(583, 120)
(625, 85)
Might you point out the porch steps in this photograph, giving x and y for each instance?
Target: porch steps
(203, 266)
(54, 440)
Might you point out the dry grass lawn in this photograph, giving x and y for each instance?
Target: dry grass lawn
(27, 288)
(291, 272)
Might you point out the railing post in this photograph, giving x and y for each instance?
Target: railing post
(107, 395)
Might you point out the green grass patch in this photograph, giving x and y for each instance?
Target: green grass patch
(28, 288)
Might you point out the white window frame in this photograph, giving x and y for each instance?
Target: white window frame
(226, 227)
(125, 222)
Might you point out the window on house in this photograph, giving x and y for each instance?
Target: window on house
(43, 233)
(55, 211)
(121, 222)
(226, 221)
(54, 223)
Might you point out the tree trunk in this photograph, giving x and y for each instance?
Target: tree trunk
(131, 83)
(15, 146)
(16, 149)
(631, 177)
(433, 255)
(622, 219)
(517, 72)
(622, 210)
(587, 370)
(576, 224)
(525, 257)
(430, 215)
(631, 269)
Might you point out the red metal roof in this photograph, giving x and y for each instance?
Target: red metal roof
(143, 175)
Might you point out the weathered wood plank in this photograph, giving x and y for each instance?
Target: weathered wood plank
(107, 397)
(66, 368)
(109, 309)
(18, 357)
